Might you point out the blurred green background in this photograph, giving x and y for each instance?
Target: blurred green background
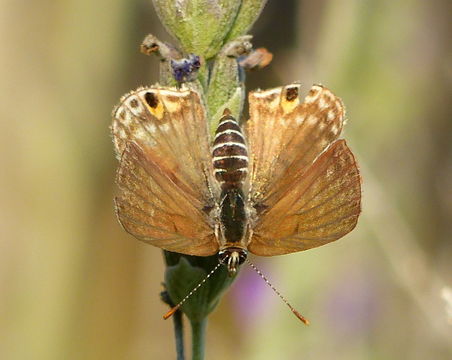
(73, 285)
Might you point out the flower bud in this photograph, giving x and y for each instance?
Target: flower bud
(199, 25)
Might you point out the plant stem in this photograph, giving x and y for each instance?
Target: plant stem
(198, 329)
(179, 334)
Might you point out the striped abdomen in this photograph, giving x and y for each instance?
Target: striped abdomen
(230, 155)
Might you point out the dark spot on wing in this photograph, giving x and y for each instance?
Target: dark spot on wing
(134, 103)
(291, 93)
(151, 99)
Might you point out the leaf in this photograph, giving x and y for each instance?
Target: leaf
(184, 273)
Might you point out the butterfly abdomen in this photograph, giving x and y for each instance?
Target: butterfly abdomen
(229, 153)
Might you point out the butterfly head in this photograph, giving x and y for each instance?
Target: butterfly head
(232, 258)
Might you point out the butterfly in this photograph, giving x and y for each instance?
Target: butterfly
(283, 183)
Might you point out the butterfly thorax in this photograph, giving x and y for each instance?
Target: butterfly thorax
(230, 163)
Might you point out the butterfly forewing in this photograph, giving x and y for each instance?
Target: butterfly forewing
(165, 173)
(172, 125)
(286, 135)
(305, 185)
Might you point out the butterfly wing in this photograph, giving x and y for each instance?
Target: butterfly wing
(304, 183)
(165, 172)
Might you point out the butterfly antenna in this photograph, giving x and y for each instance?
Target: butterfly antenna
(295, 312)
(175, 308)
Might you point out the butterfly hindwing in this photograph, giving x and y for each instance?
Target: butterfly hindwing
(304, 183)
(165, 172)
(321, 207)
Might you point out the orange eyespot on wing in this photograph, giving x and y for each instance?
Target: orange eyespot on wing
(304, 183)
(165, 172)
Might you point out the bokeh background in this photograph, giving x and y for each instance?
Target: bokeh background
(73, 285)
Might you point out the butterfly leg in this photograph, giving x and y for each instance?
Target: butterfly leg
(217, 231)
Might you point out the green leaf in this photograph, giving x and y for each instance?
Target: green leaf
(184, 273)
(248, 13)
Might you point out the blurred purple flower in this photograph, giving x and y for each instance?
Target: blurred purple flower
(353, 303)
(251, 297)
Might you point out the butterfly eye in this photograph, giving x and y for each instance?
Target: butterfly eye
(223, 256)
(242, 256)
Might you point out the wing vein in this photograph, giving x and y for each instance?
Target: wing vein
(327, 200)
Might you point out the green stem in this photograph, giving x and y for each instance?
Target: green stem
(198, 329)
(179, 334)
